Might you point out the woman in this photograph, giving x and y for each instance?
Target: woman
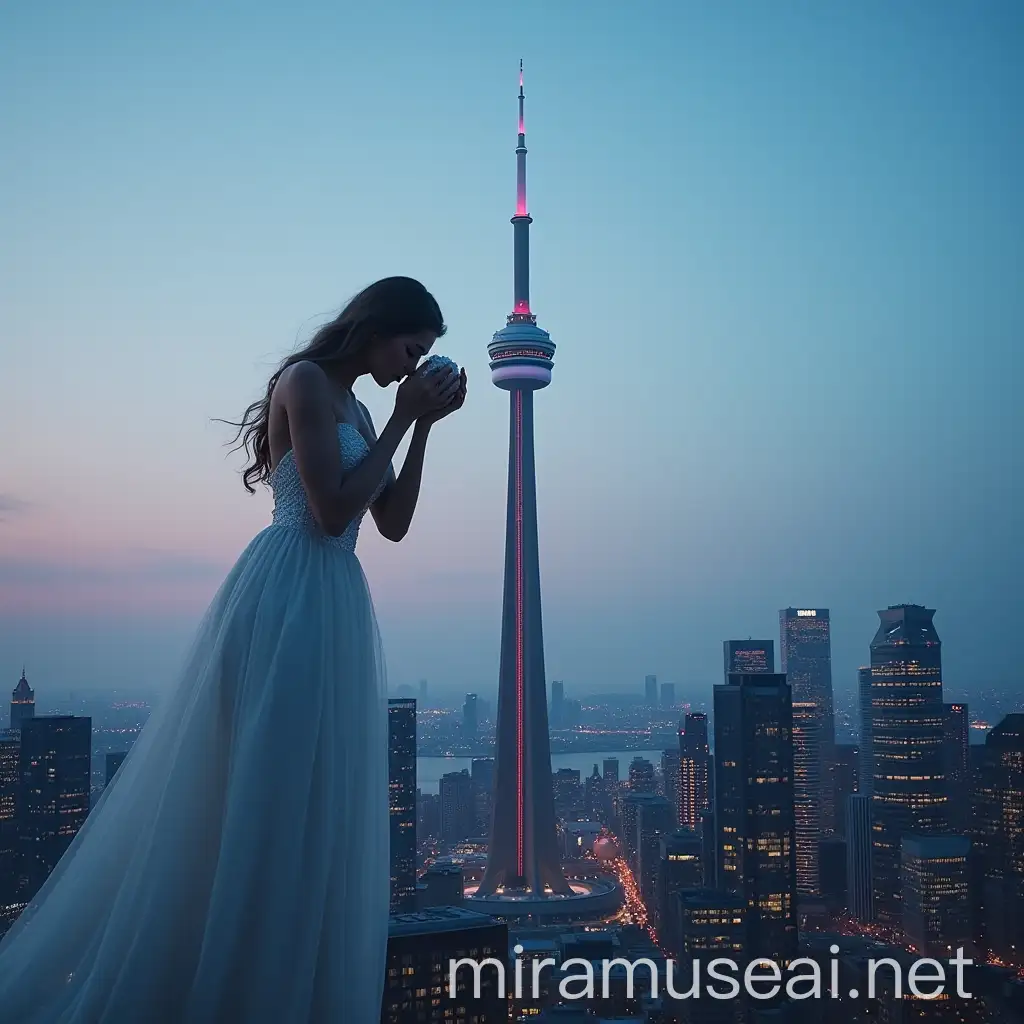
(237, 869)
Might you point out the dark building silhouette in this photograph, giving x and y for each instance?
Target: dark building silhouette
(956, 748)
(641, 776)
(909, 794)
(655, 819)
(470, 715)
(936, 909)
(568, 793)
(680, 869)
(845, 771)
(671, 771)
(10, 857)
(668, 695)
(441, 885)
(748, 656)
(805, 649)
(999, 839)
(651, 691)
(610, 770)
(859, 893)
(420, 946)
(754, 808)
(832, 872)
(55, 767)
(865, 747)
(113, 763)
(481, 772)
(694, 761)
(458, 816)
(402, 802)
(23, 702)
(595, 798)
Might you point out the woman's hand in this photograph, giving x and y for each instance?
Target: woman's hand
(455, 402)
(423, 394)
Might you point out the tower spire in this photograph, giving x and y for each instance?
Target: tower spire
(521, 224)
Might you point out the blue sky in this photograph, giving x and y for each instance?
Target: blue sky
(779, 247)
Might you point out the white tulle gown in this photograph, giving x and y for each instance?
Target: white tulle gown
(236, 870)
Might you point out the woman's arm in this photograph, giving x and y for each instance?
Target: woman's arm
(394, 508)
(313, 430)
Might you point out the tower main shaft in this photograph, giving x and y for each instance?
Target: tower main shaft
(523, 851)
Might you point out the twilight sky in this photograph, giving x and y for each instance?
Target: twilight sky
(780, 248)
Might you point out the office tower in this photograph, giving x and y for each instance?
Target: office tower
(957, 754)
(651, 691)
(713, 926)
(832, 872)
(709, 848)
(860, 894)
(428, 814)
(845, 766)
(694, 763)
(402, 802)
(754, 808)
(458, 818)
(641, 776)
(568, 793)
(655, 819)
(10, 750)
(866, 747)
(523, 852)
(610, 770)
(807, 793)
(55, 766)
(113, 763)
(470, 716)
(23, 702)
(668, 695)
(595, 798)
(670, 779)
(679, 869)
(909, 795)
(557, 705)
(481, 772)
(748, 656)
(423, 693)
(805, 649)
(936, 911)
(999, 838)
(420, 947)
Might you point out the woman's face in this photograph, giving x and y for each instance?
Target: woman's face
(392, 359)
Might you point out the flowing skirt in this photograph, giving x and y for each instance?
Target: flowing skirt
(236, 869)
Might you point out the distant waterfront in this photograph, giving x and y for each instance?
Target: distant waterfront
(430, 769)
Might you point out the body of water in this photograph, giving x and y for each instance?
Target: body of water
(430, 769)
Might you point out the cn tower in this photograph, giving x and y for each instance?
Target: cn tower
(523, 854)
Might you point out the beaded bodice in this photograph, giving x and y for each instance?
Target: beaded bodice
(291, 507)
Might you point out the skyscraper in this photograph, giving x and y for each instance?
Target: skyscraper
(671, 773)
(805, 648)
(694, 758)
(957, 752)
(865, 748)
(458, 815)
(807, 792)
(858, 857)
(909, 795)
(402, 802)
(10, 860)
(470, 715)
(754, 808)
(668, 695)
(55, 766)
(523, 851)
(936, 911)
(651, 691)
(748, 656)
(23, 702)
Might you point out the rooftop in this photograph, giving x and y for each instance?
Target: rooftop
(438, 919)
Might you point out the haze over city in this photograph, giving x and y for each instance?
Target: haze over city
(779, 255)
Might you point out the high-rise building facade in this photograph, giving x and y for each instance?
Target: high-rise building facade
(641, 776)
(668, 695)
(909, 795)
(865, 747)
(694, 760)
(807, 793)
(754, 807)
(523, 849)
(999, 838)
(748, 656)
(10, 855)
(458, 814)
(908, 764)
(470, 716)
(55, 768)
(402, 802)
(957, 752)
(936, 909)
(23, 702)
(651, 691)
(670, 779)
(805, 648)
(860, 895)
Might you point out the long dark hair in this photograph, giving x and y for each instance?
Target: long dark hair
(391, 306)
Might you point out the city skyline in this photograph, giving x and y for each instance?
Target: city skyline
(753, 247)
